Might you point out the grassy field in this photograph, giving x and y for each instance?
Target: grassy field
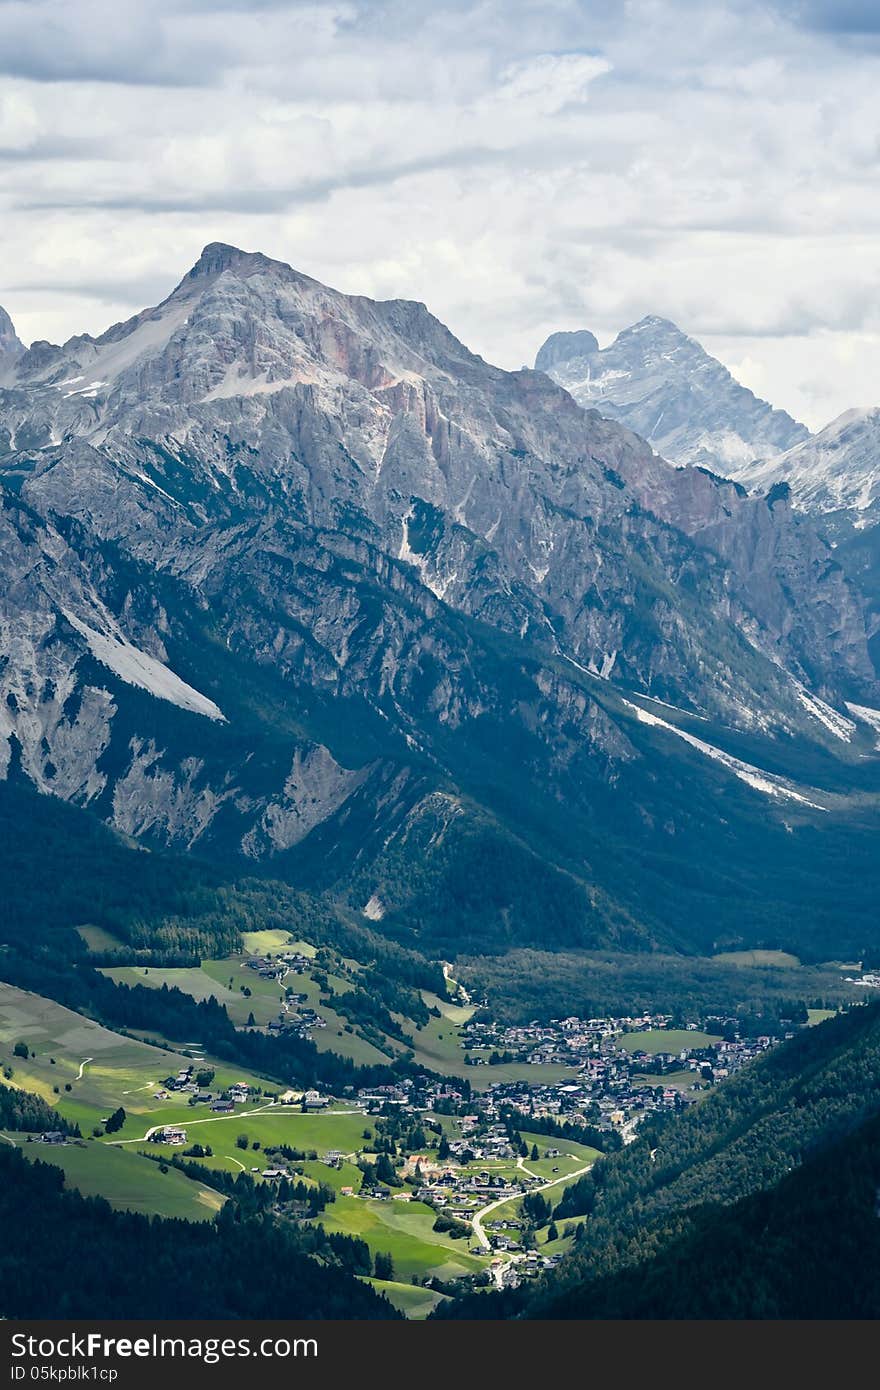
(438, 1046)
(223, 980)
(780, 959)
(673, 1040)
(564, 1241)
(349, 1175)
(403, 1230)
(128, 1181)
(679, 1080)
(265, 1001)
(455, 1013)
(101, 1068)
(815, 1016)
(260, 943)
(87, 1071)
(270, 1126)
(99, 939)
(206, 982)
(411, 1300)
(571, 1156)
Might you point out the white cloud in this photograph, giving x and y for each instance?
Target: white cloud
(520, 165)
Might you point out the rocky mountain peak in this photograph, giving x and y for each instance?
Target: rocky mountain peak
(218, 257)
(653, 331)
(665, 386)
(836, 470)
(10, 343)
(564, 347)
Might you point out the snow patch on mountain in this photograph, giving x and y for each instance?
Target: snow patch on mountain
(871, 717)
(835, 723)
(766, 782)
(137, 668)
(838, 469)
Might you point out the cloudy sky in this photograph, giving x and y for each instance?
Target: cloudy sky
(520, 165)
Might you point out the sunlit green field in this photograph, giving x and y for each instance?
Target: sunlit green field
(571, 1156)
(815, 1016)
(438, 1046)
(87, 1071)
(278, 1124)
(678, 1080)
(211, 980)
(225, 980)
(410, 1299)
(565, 1239)
(128, 1181)
(403, 1230)
(781, 959)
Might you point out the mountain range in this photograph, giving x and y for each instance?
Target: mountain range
(663, 384)
(666, 387)
(292, 578)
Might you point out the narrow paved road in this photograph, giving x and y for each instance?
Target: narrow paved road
(480, 1216)
(82, 1065)
(288, 1111)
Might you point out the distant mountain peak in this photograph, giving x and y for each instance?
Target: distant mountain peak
(10, 344)
(836, 470)
(663, 384)
(563, 347)
(654, 322)
(219, 256)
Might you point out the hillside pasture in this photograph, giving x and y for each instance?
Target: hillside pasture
(125, 1179)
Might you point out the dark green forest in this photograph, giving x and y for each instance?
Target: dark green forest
(808, 1247)
(682, 1179)
(67, 1256)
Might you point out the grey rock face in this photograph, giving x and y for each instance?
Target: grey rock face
(10, 345)
(835, 471)
(664, 386)
(272, 555)
(562, 348)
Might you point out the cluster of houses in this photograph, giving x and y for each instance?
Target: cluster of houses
(297, 1017)
(871, 978)
(279, 966)
(563, 1041)
(185, 1084)
(509, 1274)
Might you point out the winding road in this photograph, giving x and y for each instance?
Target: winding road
(480, 1216)
(187, 1123)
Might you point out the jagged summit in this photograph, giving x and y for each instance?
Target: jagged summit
(10, 344)
(666, 387)
(219, 256)
(563, 347)
(279, 562)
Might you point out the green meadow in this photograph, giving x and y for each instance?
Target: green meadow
(413, 1301)
(226, 979)
(267, 1126)
(782, 960)
(815, 1016)
(438, 1047)
(571, 1156)
(403, 1230)
(125, 1179)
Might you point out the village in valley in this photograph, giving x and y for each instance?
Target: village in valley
(451, 1174)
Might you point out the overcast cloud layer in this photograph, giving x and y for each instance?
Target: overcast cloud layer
(520, 165)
